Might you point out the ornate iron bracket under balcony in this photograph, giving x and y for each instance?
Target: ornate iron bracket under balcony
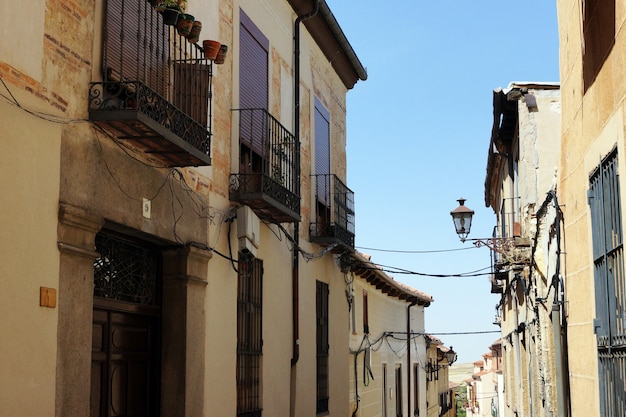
(334, 213)
(269, 168)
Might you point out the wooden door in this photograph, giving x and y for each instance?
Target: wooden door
(125, 365)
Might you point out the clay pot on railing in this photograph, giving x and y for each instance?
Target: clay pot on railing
(211, 48)
(194, 35)
(221, 54)
(170, 16)
(185, 24)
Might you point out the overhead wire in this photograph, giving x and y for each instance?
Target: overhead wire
(416, 251)
(396, 270)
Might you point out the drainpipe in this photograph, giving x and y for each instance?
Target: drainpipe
(557, 323)
(408, 358)
(295, 271)
(295, 301)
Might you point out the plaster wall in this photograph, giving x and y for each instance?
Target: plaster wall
(539, 132)
(31, 37)
(30, 260)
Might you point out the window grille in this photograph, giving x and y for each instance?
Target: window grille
(416, 389)
(610, 285)
(249, 335)
(399, 391)
(322, 346)
(125, 271)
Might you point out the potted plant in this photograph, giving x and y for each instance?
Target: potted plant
(194, 35)
(170, 10)
(185, 24)
(211, 48)
(221, 54)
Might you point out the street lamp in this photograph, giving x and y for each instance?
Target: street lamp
(462, 218)
(433, 367)
(451, 356)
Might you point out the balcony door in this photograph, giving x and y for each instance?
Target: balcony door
(253, 94)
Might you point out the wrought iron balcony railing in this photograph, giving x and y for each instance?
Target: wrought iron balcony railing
(156, 88)
(269, 167)
(334, 222)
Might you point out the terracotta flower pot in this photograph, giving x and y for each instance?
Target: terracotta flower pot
(211, 48)
(194, 35)
(221, 54)
(184, 24)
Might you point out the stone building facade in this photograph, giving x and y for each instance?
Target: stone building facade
(171, 225)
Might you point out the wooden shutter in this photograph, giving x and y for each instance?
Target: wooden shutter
(136, 44)
(191, 86)
(253, 82)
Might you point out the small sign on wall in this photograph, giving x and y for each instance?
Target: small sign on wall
(47, 297)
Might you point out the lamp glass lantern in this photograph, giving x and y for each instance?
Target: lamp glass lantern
(462, 218)
(451, 356)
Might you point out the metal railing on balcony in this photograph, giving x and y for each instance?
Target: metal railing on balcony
(334, 221)
(156, 89)
(269, 170)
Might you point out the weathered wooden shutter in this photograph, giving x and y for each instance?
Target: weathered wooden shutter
(191, 86)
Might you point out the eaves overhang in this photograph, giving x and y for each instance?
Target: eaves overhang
(502, 133)
(330, 38)
(373, 274)
(504, 130)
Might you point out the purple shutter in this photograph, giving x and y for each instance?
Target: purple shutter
(135, 44)
(253, 82)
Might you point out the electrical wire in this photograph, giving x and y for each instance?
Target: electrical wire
(416, 251)
(41, 115)
(396, 270)
(463, 333)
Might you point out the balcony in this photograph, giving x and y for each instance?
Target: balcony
(269, 168)
(156, 88)
(334, 223)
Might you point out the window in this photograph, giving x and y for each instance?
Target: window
(610, 285)
(321, 312)
(416, 390)
(384, 401)
(398, 390)
(253, 94)
(155, 91)
(599, 36)
(249, 335)
(322, 164)
(366, 324)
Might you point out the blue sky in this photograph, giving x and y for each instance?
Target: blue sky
(418, 134)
